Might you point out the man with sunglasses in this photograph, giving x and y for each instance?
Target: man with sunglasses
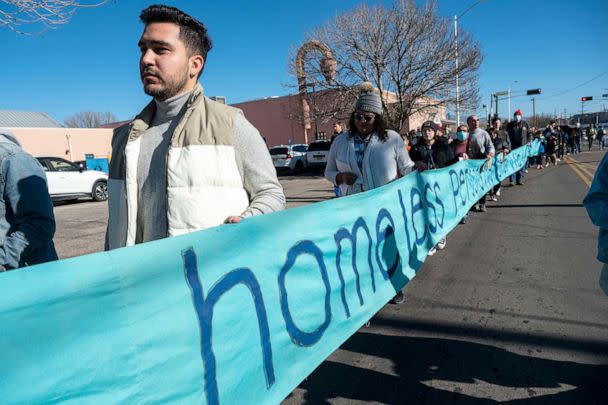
(368, 155)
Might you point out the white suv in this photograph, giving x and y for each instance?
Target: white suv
(292, 157)
(67, 181)
(316, 155)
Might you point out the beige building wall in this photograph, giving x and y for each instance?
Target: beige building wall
(68, 143)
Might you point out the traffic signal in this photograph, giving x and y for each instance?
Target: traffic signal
(586, 98)
(532, 92)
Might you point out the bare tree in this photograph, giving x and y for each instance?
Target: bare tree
(40, 15)
(407, 52)
(89, 119)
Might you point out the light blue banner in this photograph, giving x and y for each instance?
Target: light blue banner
(234, 314)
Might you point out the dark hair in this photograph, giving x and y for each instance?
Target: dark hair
(379, 126)
(495, 119)
(192, 32)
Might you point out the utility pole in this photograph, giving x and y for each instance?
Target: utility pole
(456, 48)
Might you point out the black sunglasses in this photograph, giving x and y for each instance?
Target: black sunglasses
(366, 118)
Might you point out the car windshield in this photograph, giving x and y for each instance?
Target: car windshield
(278, 151)
(316, 146)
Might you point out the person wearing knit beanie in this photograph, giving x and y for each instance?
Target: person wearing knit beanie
(369, 99)
(368, 155)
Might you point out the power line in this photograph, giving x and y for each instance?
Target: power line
(561, 92)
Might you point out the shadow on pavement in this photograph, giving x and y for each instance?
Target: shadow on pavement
(514, 378)
(535, 205)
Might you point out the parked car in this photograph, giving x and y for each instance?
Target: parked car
(68, 181)
(316, 155)
(289, 157)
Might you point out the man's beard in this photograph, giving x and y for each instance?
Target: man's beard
(171, 87)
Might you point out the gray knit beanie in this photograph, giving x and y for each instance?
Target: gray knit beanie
(369, 99)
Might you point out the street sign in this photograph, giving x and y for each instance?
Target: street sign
(532, 92)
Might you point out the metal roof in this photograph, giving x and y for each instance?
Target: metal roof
(27, 119)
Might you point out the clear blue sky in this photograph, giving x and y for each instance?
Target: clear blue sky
(92, 62)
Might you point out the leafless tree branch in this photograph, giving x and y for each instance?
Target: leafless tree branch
(36, 16)
(408, 52)
(89, 119)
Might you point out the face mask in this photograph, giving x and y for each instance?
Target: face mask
(462, 135)
(518, 118)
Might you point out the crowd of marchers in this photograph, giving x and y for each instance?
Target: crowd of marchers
(368, 154)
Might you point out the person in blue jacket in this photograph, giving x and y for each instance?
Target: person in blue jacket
(27, 223)
(596, 203)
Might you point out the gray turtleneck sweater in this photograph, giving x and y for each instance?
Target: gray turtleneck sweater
(252, 158)
(152, 169)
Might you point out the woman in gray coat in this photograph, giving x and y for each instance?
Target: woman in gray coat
(368, 155)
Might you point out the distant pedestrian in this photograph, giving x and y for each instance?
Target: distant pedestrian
(596, 203)
(562, 139)
(601, 137)
(496, 123)
(550, 134)
(591, 133)
(502, 148)
(463, 147)
(577, 135)
(406, 141)
(486, 150)
(538, 159)
(434, 153)
(518, 132)
(27, 223)
(338, 129)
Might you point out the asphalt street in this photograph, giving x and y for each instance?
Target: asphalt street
(509, 312)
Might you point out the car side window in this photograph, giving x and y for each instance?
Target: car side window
(300, 148)
(62, 166)
(43, 164)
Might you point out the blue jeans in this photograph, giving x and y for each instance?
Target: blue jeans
(518, 176)
(602, 143)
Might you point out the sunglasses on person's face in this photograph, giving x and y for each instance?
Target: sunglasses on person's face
(366, 118)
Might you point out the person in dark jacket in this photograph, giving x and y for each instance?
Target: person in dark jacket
(518, 132)
(577, 135)
(27, 225)
(502, 148)
(433, 152)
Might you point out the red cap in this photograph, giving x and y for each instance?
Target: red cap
(518, 112)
